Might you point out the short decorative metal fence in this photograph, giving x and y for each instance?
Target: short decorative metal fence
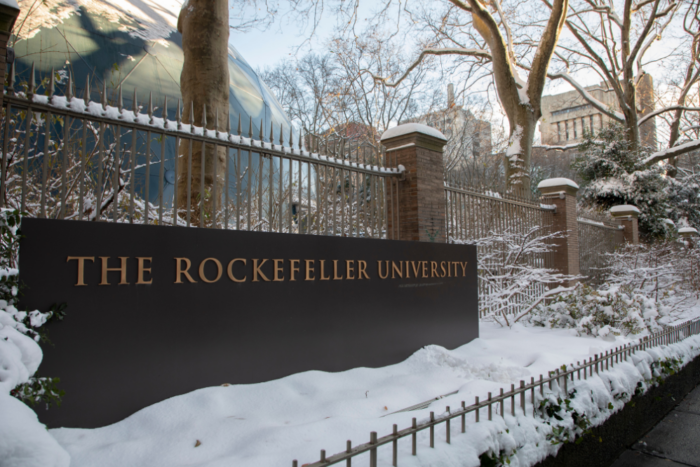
(596, 236)
(75, 158)
(474, 215)
(515, 400)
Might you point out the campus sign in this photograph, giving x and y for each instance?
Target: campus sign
(156, 311)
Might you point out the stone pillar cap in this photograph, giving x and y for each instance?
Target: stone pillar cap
(624, 210)
(555, 185)
(688, 231)
(408, 128)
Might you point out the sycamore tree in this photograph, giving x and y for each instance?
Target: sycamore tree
(617, 41)
(496, 40)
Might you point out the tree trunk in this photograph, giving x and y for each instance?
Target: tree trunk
(204, 83)
(517, 163)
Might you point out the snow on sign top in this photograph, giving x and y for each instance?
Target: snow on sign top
(624, 208)
(552, 182)
(408, 128)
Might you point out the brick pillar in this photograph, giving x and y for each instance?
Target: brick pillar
(628, 217)
(421, 191)
(8, 15)
(561, 192)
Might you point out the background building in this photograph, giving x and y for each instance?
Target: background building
(566, 116)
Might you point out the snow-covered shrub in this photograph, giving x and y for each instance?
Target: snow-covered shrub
(614, 174)
(513, 276)
(23, 440)
(601, 313)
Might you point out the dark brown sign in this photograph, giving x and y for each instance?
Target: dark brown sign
(155, 311)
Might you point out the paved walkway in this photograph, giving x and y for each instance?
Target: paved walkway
(673, 442)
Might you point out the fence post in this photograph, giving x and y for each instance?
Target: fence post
(418, 205)
(561, 192)
(628, 217)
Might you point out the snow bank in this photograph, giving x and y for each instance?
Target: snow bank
(24, 442)
(408, 128)
(555, 182)
(269, 424)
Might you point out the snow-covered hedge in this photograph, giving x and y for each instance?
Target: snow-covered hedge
(601, 313)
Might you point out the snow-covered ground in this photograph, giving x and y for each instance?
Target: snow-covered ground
(271, 423)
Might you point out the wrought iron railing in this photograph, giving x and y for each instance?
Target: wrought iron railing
(513, 400)
(74, 158)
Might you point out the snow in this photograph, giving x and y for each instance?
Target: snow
(150, 20)
(24, 442)
(271, 423)
(624, 208)
(688, 230)
(409, 128)
(556, 182)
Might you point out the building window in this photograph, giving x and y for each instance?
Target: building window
(558, 131)
(573, 123)
(592, 129)
(566, 125)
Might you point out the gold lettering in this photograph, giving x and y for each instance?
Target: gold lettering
(444, 271)
(292, 268)
(464, 268)
(81, 267)
(433, 269)
(425, 268)
(121, 269)
(407, 271)
(229, 270)
(257, 271)
(396, 270)
(323, 266)
(278, 269)
(336, 277)
(219, 270)
(309, 269)
(379, 267)
(362, 266)
(142, 269)
(416, 268)
(349, 269)
(179, 271)
(449, 269)
(455, 263)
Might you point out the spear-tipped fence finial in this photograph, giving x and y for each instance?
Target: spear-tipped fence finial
(228, 126)
(192, 117)
(272, 134)
(52, 84)
(32, 83)
(216, 122)
(69, 88)
(178, 116)
(250, 128)
(262, 136)
(204, 119)
(239, 125)
(104, 95)
(281, 135)
(291, 138)
(86, 95)
(150, 107)
(135, 104)
(165, 111)
(120, 100)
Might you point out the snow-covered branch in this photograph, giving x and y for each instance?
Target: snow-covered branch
(672, 152)
(671, 108)
(600, 106)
